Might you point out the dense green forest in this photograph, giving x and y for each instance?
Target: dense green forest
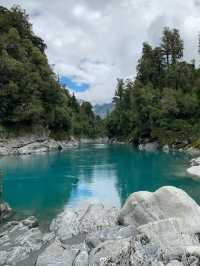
(163, 102)
(30, 94)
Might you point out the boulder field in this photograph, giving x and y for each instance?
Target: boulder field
(152, 228)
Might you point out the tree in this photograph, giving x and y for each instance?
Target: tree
(163, 102)
(30, 93)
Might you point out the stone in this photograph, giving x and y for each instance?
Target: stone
(167, 202)
(31, 222)
(166, 148)
(149, 147)
(172, 235)
(56, 255)
(34, 144)
(83, 220)
(153, 228)
(193, 151)
(112, 233)
(19, 240)
(5, 211)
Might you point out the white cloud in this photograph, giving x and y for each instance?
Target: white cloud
(99, 41)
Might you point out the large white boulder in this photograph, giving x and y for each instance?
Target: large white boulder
(167, 202)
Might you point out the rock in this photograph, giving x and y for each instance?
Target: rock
(56, 255)
(34, 144)
(193, 151)
(195, 162)
(103, 140)
(167, 202)
(19, 240)
(160, 228)
(194, 170)
(82, 221)
(195, 167)
(172, 235)
(150, 147)
(174, 263)
(112, 233)
(116, 252)
(31, 222)
(166, 148)
(5, 211)
(36, 147)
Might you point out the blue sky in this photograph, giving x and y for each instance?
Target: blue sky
(73, 85)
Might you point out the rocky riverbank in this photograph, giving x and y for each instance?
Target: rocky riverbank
(194, 169)
(33, 144)
(160, 228)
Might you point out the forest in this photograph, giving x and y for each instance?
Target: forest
(31, 97)
(162, 103)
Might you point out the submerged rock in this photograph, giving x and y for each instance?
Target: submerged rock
(160, 228)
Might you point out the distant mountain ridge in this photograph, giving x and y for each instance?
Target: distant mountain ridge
(103, 109)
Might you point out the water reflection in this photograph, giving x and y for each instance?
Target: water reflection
(45, 184)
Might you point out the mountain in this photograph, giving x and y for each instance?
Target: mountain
(103, 109)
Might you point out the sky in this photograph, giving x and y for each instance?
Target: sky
(91, 43)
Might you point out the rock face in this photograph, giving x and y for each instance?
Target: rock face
(33, 144)
(160, 228)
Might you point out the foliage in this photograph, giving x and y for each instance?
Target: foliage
(30, 93)
(163, 102)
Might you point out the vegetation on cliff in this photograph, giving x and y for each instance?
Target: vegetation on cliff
(30, 94)
(163, 102)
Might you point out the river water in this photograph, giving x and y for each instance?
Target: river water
(45, 184)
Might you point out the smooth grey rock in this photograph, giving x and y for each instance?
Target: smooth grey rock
(56, 255)
(5, 211)
(18, 240)
(111, 233)
(116, 252)
(166, 148)
(195, 161)
(167, 202)
(193, 151)
(83, 220)
(171, 235)
(150, 147)
(31, 222)
(174, 263)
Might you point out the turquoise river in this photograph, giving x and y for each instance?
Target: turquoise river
(45, 184)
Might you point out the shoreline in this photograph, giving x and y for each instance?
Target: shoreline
(152, 228)
(33, 144)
